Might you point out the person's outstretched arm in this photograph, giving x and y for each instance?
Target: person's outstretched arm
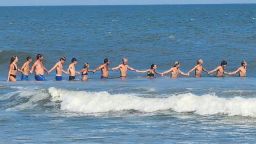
(234, 72)
(212, 71)
(141, 71)
(98, 68)
(33, 67)
(116, 68)
(191, 70)
(184, 74)
(166, 72)
(130, 68)
(53, 68)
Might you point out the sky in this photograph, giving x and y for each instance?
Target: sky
(114, 2)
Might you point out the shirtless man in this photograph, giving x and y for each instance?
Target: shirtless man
(123, 68)
(72, 69)
(199, 69)
(104, 69)
(220, 70)
(175, 71)
(59, 69)
(241, 70)
(25, 69)
(39, 68)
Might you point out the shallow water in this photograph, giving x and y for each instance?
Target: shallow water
(135, 110)
(208, 110)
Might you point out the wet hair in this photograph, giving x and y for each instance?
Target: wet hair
(28, 58)
(73, 60)
(86, 65)
(243, 62)
(38, 56)
(124, 59)
(176, 64)
(63, 58)
(13, 59)
(198, 61)
(105, 60)
(152, 66)
(223, 63)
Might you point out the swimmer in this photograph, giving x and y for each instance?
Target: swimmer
(84, 72)
(241, 70)
(72, 69)
(123, 68)
(39, 68)
(13, 69)
(150, 72)
(198, 69)
(175, 71)
(220, 70)
(25, 69)
(104, 69)
(59, 69)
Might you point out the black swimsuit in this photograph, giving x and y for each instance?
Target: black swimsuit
(15, 68)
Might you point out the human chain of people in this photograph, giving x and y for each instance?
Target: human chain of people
(39, 69)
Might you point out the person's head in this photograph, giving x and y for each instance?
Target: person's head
(106, 61)
(153, 66)
(62, 60)
(176, 64)
(223, 63)
(200, 61)
(86, 65)
(14, 59)
(29, 59)
(125, 61)
(243, 63)
(74, 60)
(39, 57)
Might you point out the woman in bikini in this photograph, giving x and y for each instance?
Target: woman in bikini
(150, 72)
(13, 69)
(85, 72)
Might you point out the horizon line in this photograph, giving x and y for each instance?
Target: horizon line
(126, 4)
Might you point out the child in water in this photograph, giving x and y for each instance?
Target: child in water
(150, 72)
(84, 72)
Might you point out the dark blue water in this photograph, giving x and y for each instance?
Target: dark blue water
(137, 110)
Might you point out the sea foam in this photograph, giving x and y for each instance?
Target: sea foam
(100, 102)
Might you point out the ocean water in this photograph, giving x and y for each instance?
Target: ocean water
(135, 110)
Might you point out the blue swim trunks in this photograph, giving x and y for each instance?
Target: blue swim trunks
(40, 78)
(58, 78)
(24, 77)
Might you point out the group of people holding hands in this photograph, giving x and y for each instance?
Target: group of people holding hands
(39, 69)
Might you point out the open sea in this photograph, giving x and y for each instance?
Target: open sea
(135, 110)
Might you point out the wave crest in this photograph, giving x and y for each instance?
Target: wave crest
(100, 102)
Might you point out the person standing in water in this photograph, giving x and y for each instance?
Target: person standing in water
(59, 69)
(104, 69)
(241, 70)
(220, 70)
(175, 71)
(150, 72)
(13, 69)
(199, 69)
(72, 69)
(123, 68)
(39, 68)
(25, 69)
(84, 72)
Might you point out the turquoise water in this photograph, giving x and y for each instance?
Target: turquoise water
(137, 110)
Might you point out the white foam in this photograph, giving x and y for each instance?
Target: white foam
(98, 102)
